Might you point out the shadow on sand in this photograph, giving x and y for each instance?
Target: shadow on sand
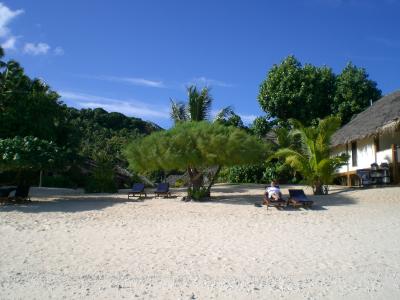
(320, 202)
(68, 205)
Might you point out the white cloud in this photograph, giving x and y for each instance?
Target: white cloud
(58, 51)
(125, 106)
(9, 44)
(203, 81)
(36, 49)
(6, 16)
(131, 80)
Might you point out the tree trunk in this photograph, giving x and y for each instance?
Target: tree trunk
(212, 181)
(196, 179)
(318, 188)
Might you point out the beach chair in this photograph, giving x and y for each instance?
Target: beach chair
(275, 203)
(137, 189)
(162, 190)
(5, 193)
(297, 198)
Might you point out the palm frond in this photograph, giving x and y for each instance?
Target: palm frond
(178, 111)
(224, 113)
(199, 103)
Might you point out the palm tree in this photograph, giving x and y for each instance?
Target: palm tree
(312, 160)
(197, 108)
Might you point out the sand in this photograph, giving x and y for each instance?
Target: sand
(67, 245)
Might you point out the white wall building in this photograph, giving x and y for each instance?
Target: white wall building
(373, 136)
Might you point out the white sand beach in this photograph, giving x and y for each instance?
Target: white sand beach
(68, 245)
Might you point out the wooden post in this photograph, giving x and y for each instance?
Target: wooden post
(395, 165)
(348, 170)
(40, 178)
(376, 147)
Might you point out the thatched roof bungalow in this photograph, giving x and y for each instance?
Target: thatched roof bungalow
(373, 136)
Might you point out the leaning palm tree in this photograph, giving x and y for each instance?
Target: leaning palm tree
(312, 160)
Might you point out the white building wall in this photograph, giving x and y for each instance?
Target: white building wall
(384, 156)
(366, 152)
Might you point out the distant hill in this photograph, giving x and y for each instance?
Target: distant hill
(113, 121)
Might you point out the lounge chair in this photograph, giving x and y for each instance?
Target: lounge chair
(5, 193)
(297, 198)
(272, 202)
(137, 189)
(162, 190)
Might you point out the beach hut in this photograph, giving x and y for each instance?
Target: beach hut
(372, 140)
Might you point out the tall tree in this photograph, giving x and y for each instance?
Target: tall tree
(293, 91)
(28, 107)
(312, 160)
(354, 92)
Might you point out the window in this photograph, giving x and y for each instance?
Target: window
(354, 154)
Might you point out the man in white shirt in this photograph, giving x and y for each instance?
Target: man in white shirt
(273, 192)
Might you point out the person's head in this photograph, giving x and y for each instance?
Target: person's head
(274, 183)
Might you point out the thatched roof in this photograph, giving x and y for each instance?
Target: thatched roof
(382, 116)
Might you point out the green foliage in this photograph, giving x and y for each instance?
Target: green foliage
(243, 174)
(28, 153)
(28, 107)
(198, 144)
(58, 181)
(354, 92)
(109, 132)
(293, 91)
(308, 93)
(228, 117)
(198, 194)
(262, 173)
(102, 179)
(179, 183)
(198, 106)
(313, 159)
(261, 126)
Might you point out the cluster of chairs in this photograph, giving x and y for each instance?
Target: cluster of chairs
(297, 198)
(162, 189)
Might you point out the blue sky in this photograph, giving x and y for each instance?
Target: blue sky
(133, 56)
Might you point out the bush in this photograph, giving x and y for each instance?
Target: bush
(179, 183)
(263, 173)
(58, 181)
(102, 180)
(198, 195)
(243, 174)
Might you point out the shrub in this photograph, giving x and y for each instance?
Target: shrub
(58, 181)
(198, 195)
(179, 183)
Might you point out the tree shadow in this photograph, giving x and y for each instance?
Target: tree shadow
(320, 202)
(67, 204)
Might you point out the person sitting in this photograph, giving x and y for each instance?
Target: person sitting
(272, 193)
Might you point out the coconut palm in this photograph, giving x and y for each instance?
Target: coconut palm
(197, 108)
(312, 160)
